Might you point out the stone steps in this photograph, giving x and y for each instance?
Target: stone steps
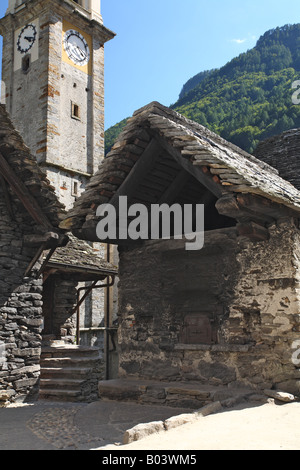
(193, 395)
(64, 372)
(60, 395)
(61, 383)
(70, 373)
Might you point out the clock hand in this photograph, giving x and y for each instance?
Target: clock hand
(29, 38)
(80, 52)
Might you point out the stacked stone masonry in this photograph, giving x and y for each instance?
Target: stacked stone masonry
(248, 291)
(20, 309)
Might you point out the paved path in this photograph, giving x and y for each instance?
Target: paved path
(72, 426)
(252, 427)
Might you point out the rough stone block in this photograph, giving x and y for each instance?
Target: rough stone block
(281, 396)
(142, 430)
(180, 420)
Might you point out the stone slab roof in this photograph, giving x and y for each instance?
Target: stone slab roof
(79, 255)
(227, 168)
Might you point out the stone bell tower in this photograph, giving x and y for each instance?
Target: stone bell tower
(53, 86)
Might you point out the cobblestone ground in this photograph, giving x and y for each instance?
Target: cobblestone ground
(56, 426)
(73, 426)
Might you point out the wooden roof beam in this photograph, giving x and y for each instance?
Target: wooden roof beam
(253, 231)
(175, 188)
(205, 178)
(143, 165)
(262, 205)
(229, 205)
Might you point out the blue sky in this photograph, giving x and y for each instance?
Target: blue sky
(160, 44)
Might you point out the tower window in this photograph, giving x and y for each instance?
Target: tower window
(26, 61)
(75, 188)
(75, 113)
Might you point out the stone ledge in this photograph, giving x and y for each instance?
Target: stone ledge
(213, 347)
(188, 395)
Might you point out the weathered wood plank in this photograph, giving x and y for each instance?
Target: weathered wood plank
(175, 188)
(203, 178)
(253, 231)
(141, 168)
(229, 205)
(264, 206)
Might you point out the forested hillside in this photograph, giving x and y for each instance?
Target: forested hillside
(250, 98)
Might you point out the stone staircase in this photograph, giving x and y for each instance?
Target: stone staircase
(70, 373)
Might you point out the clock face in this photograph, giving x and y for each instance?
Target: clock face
(26, 38)
(76, 47)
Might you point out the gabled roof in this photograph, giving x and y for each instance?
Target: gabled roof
(158, 153)
(30, 185)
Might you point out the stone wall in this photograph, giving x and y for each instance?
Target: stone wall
(20, 309)
(65, 299)
(246, 295)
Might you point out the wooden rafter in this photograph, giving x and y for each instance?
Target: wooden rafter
(174, 188)
(204, 178)
(35, 259)
(141, 168)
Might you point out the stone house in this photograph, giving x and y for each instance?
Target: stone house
(40, 267)
(54, 95)
(225, 315)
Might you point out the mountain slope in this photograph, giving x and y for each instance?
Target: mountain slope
(250, 98)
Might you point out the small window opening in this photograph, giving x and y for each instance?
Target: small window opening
(75, 188)
(75, 111)
(26, 62)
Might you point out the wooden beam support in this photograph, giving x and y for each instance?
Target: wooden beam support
(51, 239)
(44, 245)
(230, 206)
(23, 194)
(141, 168)
(175, 188)
(205, 178)
(261, 205)
(48, 273)
(45, 262)
(253, 231)
(35, 259)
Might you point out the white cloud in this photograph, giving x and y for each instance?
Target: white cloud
(250, 38)
(238, 41)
